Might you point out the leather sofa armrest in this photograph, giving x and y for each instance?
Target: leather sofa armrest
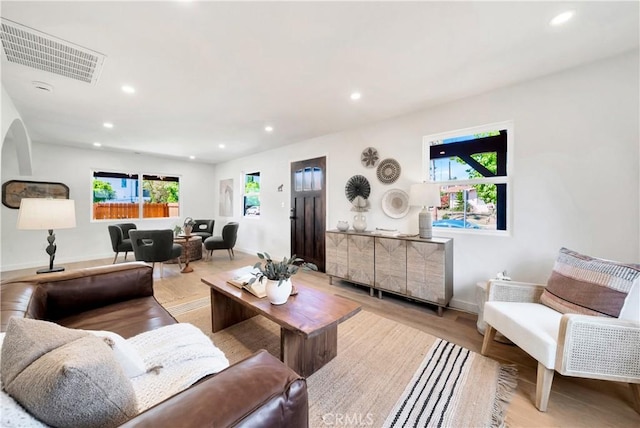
(75, 291)
(22, 300)
(258, 391)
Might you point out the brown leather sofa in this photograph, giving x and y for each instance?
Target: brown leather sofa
(258, 391)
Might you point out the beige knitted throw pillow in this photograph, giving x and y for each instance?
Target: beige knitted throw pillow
(64, 377)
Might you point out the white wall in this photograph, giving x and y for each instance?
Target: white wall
(90, 239)
(9, 112)
(576, 180)
(11, 124)
(13, 129)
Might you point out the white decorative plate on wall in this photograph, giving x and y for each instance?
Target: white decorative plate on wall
(388, 171)
(369, 157)
(395, 203)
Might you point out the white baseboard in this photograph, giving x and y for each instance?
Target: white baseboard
(44, 261)
(464, 306)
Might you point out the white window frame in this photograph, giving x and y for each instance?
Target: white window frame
(140, 175)
(426, 165)
(244, 194)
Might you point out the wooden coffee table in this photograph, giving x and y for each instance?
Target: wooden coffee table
(308, 321)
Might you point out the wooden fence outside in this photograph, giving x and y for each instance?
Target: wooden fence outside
(117, 210)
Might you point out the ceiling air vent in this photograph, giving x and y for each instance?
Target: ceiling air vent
(26, 46)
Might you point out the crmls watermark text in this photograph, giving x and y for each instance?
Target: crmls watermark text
(349, 419)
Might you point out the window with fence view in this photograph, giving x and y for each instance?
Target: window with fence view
(125, 196)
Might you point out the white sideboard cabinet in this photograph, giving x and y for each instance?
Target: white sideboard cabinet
(421, 269)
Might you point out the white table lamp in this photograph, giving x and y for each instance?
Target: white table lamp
(425, 195)
(47, 214)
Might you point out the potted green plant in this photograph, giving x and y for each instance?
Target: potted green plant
(278, 275)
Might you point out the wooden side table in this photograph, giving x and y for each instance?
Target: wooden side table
(185, 240)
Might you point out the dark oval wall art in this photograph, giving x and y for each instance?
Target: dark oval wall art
(14, 190)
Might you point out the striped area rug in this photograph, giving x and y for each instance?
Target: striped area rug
(378, 361)
(441, 393)
(192, 305)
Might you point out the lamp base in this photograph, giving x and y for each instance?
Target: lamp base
(424, 224)
(49, 270)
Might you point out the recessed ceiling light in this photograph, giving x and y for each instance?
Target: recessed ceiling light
(268, 128)
(128, 89)
(108, 125)
(192, 157)
(562, 18)
(356, 96)
(97, 144)
(222, 146)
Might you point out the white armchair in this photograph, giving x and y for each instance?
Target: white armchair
(573, 345)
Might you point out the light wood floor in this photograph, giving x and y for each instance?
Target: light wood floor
(574, 402)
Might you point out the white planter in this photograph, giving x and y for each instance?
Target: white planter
(278, 295)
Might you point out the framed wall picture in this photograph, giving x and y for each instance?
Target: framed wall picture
(226, 197)
(14, 190)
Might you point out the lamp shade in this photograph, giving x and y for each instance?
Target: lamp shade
(424, 195)
(46, 213)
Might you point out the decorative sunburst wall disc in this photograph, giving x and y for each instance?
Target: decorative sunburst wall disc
(358, 185)
(369, 157)
(388, 171)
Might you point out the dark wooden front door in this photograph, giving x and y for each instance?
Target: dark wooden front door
(308, 210)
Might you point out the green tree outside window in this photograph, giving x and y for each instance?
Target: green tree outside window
(251, 186)
(162, 192)
(102, 191)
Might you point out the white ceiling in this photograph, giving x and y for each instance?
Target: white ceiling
(210, 73)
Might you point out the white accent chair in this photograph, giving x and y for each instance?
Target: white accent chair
(573, 345)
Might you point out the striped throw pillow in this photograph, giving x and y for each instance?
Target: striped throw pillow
(586, 285)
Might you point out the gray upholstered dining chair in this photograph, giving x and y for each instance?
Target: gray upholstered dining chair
(120, 240)
(155, 246)
(203, 228)
(225, 242)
